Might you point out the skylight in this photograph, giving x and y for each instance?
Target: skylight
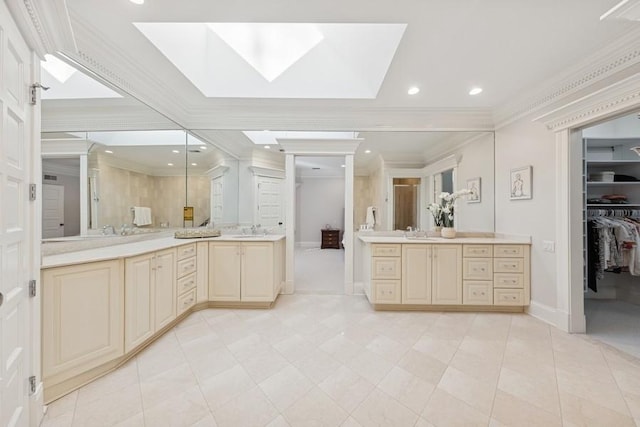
(65, 82)
(279, 60)
(266, 137)
(58, 69)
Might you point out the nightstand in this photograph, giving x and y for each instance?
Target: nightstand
(330, 239)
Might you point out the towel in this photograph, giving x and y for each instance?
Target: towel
(141, 215)
(371, 217)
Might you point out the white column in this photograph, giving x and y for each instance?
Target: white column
(84, 192)
(290, 222)
(348, 224)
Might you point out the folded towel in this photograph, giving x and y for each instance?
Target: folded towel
(141, 215)
(371, 217)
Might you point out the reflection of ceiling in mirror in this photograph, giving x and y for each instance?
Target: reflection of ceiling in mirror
(66, 82)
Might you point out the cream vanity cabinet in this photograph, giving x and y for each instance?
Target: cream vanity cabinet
(432, 274)
(82, 318)
(150, 295)
(250, 271)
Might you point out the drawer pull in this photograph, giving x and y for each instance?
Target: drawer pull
(187, 302)
(188, 284)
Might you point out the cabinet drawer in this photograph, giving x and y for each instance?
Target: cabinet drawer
(477, 293)
(508, 251)
(477, 251)
(385, 250)
(186, 283)
(508, 297)
(186, 301)
(387, 291)
(186, 266)
(508, 265)
(386, 268)
(506, 280)
(477, 269)
(186, 251)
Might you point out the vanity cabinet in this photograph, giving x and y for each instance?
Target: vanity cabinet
(432, 274)
(82, 318)
(245, 271)
(150, 295)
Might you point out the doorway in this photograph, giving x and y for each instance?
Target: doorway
(319, 256)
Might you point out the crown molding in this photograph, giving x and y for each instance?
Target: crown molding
(618, 58)
(268, 172)
(322, 147)
(60, 170)
(217, 171)
(612, 100)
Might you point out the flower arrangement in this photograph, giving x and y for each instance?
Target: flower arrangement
(443, 212)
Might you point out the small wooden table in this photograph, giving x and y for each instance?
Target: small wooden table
(330, 239)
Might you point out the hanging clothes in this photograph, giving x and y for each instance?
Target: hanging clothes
(612, 247)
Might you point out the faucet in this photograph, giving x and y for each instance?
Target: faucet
(254, 228)
(109, 228)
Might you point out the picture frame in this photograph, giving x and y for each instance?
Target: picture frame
(474, 185)
(520, 183)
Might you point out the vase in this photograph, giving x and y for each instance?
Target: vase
(448, 232)
(437, 229)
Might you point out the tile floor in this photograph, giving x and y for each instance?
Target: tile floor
(326, 360)
(319, 271)
(614, 322)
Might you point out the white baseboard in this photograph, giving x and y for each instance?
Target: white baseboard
(358, 288)
(576, 324)
(543, 312)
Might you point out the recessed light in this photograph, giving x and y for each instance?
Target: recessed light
(367, 151)
(413, 90)
(194, 164)
(475, 91)
(202, 147)
(108, 151)
(175, 151)
(266, 147)
(137, 1)
(169, 164)
(342, 166)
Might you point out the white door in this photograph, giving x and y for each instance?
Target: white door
(16, 228)
(217, 200)
(52, 211)
(269, 209)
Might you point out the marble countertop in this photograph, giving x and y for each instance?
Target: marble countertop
(498, 239)
(138, 248)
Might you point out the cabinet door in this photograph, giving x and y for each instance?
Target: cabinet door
(224, 271)
(82, 318)
(165, 288)
(139, 295)
(257, 272)
(416, 274)
(447, 274)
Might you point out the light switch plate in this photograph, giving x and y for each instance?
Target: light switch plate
(549, 246)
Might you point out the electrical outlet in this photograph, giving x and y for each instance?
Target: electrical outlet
(549, 246)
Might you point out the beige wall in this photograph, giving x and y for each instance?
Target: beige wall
(362, 198)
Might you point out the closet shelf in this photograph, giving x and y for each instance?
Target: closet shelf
(613, 183)
(613, 206)
(612, 162)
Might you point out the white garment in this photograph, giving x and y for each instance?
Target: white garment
(371, 217)
(141, 215)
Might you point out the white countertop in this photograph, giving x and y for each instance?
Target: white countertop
(137, 248)
(499, 240)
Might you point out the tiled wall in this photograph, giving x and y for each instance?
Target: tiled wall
(362, 198)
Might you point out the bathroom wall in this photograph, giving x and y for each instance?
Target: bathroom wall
(320, 201)
(362, 198)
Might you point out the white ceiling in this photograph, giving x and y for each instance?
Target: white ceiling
(509, 48)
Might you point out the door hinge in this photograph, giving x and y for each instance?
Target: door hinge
(32, 192)
(34, 92)
(32, 385)
(32, 288)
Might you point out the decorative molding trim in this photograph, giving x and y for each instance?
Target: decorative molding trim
(268, 172)
(64, 148)
(596, 68)
(447, 163)
(606, 102)
(322, 147)
(217, 171)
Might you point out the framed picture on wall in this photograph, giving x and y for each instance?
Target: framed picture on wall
(520, 183)
(473, 185)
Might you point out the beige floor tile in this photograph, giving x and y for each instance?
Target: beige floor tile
(167, 384)
(423, 423)
(388, 348)
(202, 345)
(408, 389)
(225, 386)
(490, 327)
(248, 346)
(512, 411)
(540, 350)
(64, 405)
(62, 420)
(341, 348)
(178, 409)
(370, 366)
(111, 409)
(135, 421)
(423, 365)
(485, 370)
(280, 421)
(359, 334)
(193, 332)
(347, 388)
(315, 409)
(579, 411)
(351, 422)
(525, 328)
(317, 366)
(285, 387)
(380, 409)
(438, 348)
(490, 350)
(262, 365)
(157, 360)
(445, 410)
(540, 392)
(478, 394)
(633, 403)
(207, 421)
(529, 366)
(603, 392)
(251, 408)
(294, 348)
(209, 363)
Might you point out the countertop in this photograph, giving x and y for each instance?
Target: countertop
(138, 248)
(497, 240)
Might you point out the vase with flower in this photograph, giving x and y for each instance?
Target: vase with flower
(443, 212)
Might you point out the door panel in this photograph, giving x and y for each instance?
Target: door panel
(52, 211)
(416, 274)
(270, 210)
(447, 274)
(257, 272)
(165, 288)
(224, 272)
(138, 282)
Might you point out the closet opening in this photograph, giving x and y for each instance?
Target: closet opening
(320, 223)
(611, 177)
